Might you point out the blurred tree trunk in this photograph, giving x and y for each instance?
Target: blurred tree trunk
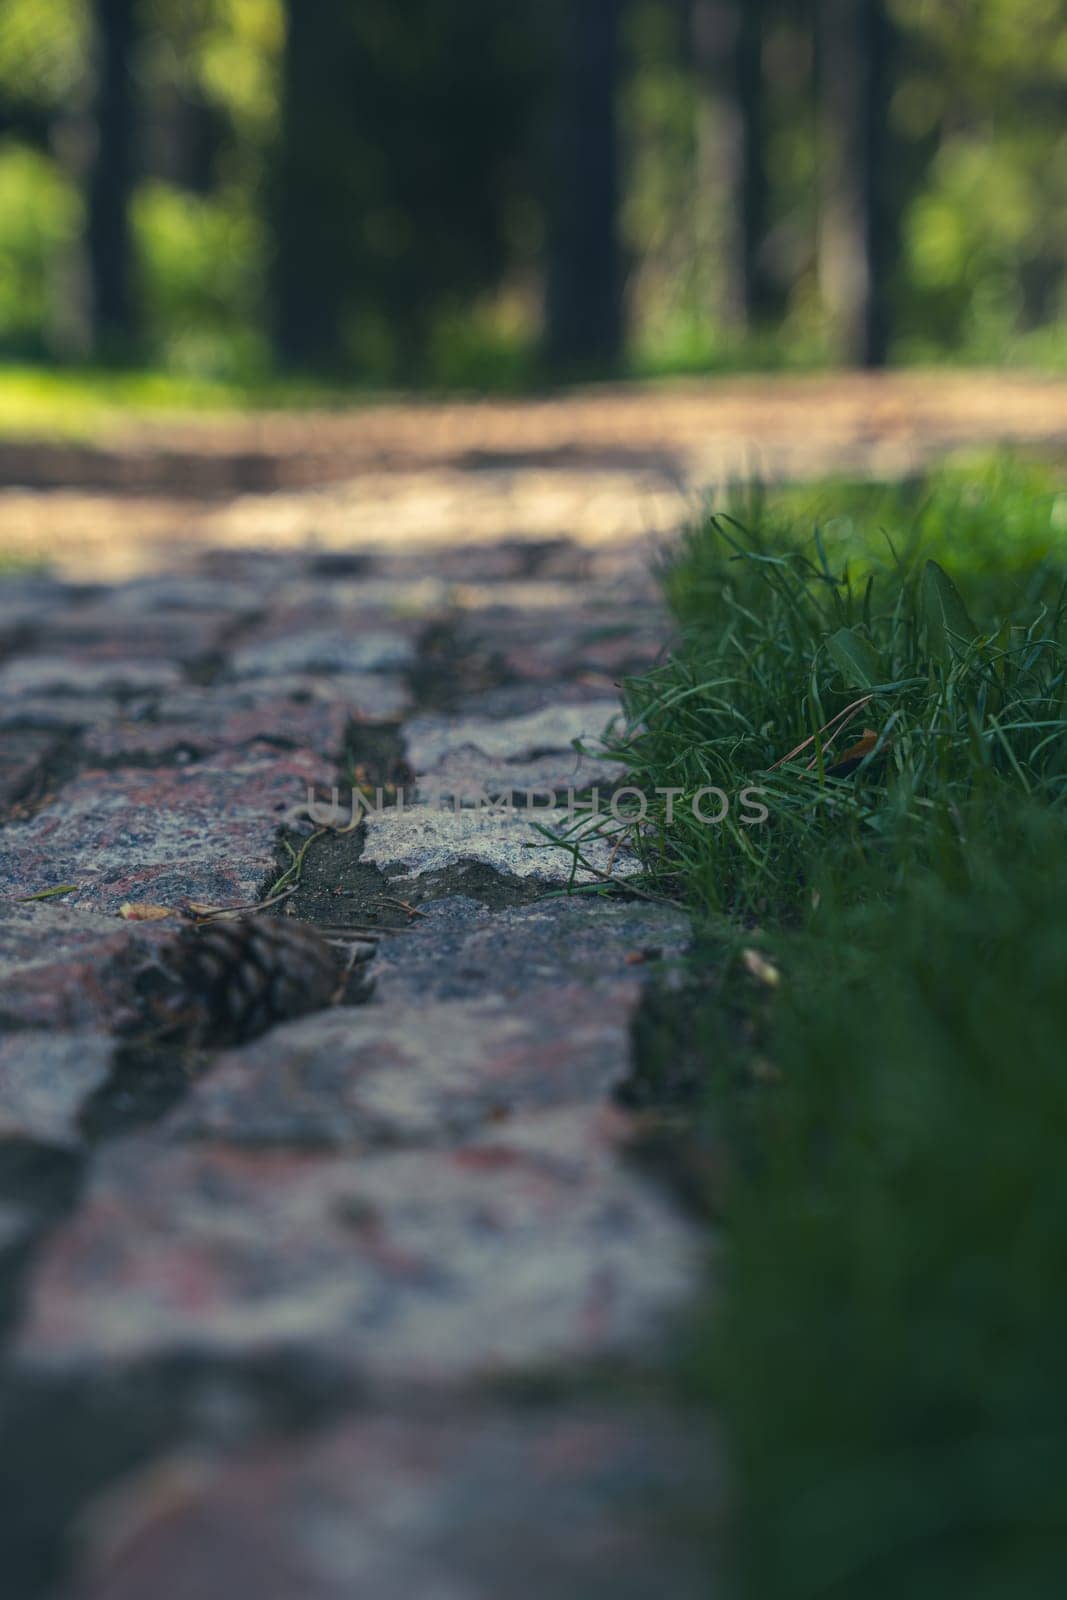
(584, 302)
(310, 193)
(28, 123)
(111, 175)
(727, 47)
(858, 224)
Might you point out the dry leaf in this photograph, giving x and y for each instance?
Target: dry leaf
(850, 759)
(141, 911)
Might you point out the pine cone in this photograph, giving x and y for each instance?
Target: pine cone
(228, 981)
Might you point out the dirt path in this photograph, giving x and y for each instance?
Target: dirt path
(597, 466)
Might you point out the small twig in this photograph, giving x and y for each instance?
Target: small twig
(404, 905)
(612, 855)
(217, 913)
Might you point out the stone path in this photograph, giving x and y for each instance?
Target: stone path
(373, 1303)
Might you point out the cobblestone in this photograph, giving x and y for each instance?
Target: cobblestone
(60, 968)
(413, 1197)
(418, 839)
(378, 1076)
(526, 1245)
(46, 1081)
(459, 949)
(591, 1505)
(204, 832)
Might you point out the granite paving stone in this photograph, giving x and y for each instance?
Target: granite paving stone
(167, 592)
(75, 674)
(204, 722)
(101, 632)
(23, 761)
(431, 740)
(368, 1076)
(460, 949)
(367, 696)
(205, 831)
(534, 753)
(46, 1081)
(300, 711)
(414, 594)
(411, 840)
(25, 602)
(17, 1223)
(267, 573)
(481, 1504)
(279, 723)
(533, 648)
(528, 1245)
(502, 700)
(469, 775)
(502, 560)
(62, 712)
(65, 969)
(324, 643)
(516, 597)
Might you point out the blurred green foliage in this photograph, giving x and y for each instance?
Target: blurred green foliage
(446, 186)
(888, 1349)
(41, 213)
(202, 281)
(43, 46)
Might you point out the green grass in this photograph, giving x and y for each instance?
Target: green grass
(15, 564)
(889, 1077)
(794, 647)
(84, 403)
